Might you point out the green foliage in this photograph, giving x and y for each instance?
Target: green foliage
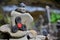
(7, 19)
(1, 16)
(55, 17)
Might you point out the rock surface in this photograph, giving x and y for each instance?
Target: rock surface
(6, 28)
(27, 19)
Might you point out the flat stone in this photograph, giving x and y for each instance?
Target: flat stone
(6, 28)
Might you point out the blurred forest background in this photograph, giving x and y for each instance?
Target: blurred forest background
(41, 3)
(31, 2)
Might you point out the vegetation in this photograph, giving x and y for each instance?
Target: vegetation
(54, 17)
(31, 2)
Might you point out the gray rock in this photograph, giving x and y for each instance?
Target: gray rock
(27, 19)
(6, 28)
